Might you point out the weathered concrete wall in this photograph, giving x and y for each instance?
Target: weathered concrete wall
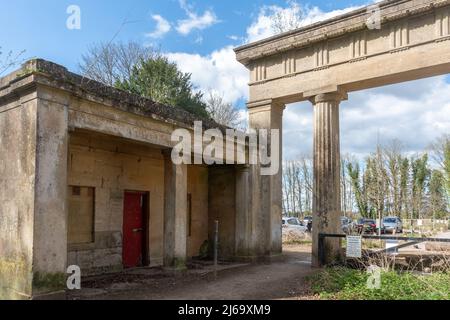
(33, 138)
(113, 165)
(198, 188)
(222, 207)
(50, 213)
(17, 172)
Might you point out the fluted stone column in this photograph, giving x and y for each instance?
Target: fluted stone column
(326, 192)
(266, 190)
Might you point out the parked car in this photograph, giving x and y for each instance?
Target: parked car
(366, 226)
(293, 223)
(392, 225)
(346, 225)
(306, 220)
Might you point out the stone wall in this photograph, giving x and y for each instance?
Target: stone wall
(112, 166)
(222, 207)
(198, 188)
(17, 172)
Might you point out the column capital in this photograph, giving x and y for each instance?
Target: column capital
(334, 96)
(264, 105)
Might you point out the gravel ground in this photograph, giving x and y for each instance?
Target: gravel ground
(278, 280)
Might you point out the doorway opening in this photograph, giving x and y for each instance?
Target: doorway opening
(135, 246)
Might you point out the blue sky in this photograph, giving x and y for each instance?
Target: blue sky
(200, 36)
(39, 27)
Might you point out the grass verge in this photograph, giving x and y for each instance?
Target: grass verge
(341, 283)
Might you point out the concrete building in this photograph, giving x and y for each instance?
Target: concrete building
(86, 178)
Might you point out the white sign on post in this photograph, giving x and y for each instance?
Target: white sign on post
(354, 249)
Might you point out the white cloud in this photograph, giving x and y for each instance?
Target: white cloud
(194, 20)
(162, 27)
(218, 71)
(234, 38)
(415, 113)
(263, 26)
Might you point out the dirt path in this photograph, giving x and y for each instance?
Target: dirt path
(278, 280)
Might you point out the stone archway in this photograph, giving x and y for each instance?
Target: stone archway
(322, 63)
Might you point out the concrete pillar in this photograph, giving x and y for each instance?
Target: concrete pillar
(326, 193)
(244, 220)
(266, 190)
(175, 213)
(33, 213)
(50, 210)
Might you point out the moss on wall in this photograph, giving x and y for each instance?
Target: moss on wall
(14, 279)
(48, 282)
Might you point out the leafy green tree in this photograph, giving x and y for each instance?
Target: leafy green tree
(404, 178)
(377, 183)
(420, 176)
(447, 165)
(161, 81)
(438, 198)
(361, 201)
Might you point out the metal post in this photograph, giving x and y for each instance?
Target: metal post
(321, 250)
(216, 247)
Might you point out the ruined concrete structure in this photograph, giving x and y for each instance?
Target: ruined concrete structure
(85, 171)
(322, 63)
(86, 178)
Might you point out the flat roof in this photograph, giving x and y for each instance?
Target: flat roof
(50, 74)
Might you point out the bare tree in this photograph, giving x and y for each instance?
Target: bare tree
(10, 60)
(111, 63)
(347, 202)
(288, 19)
(221, 111)
(393, 162)
(440, 154)
(297, 190)
(438, 149)
(307, 177)
(377, 185)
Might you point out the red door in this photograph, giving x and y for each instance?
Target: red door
(133, 229)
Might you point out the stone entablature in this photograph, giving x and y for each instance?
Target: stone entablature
(320, 56)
